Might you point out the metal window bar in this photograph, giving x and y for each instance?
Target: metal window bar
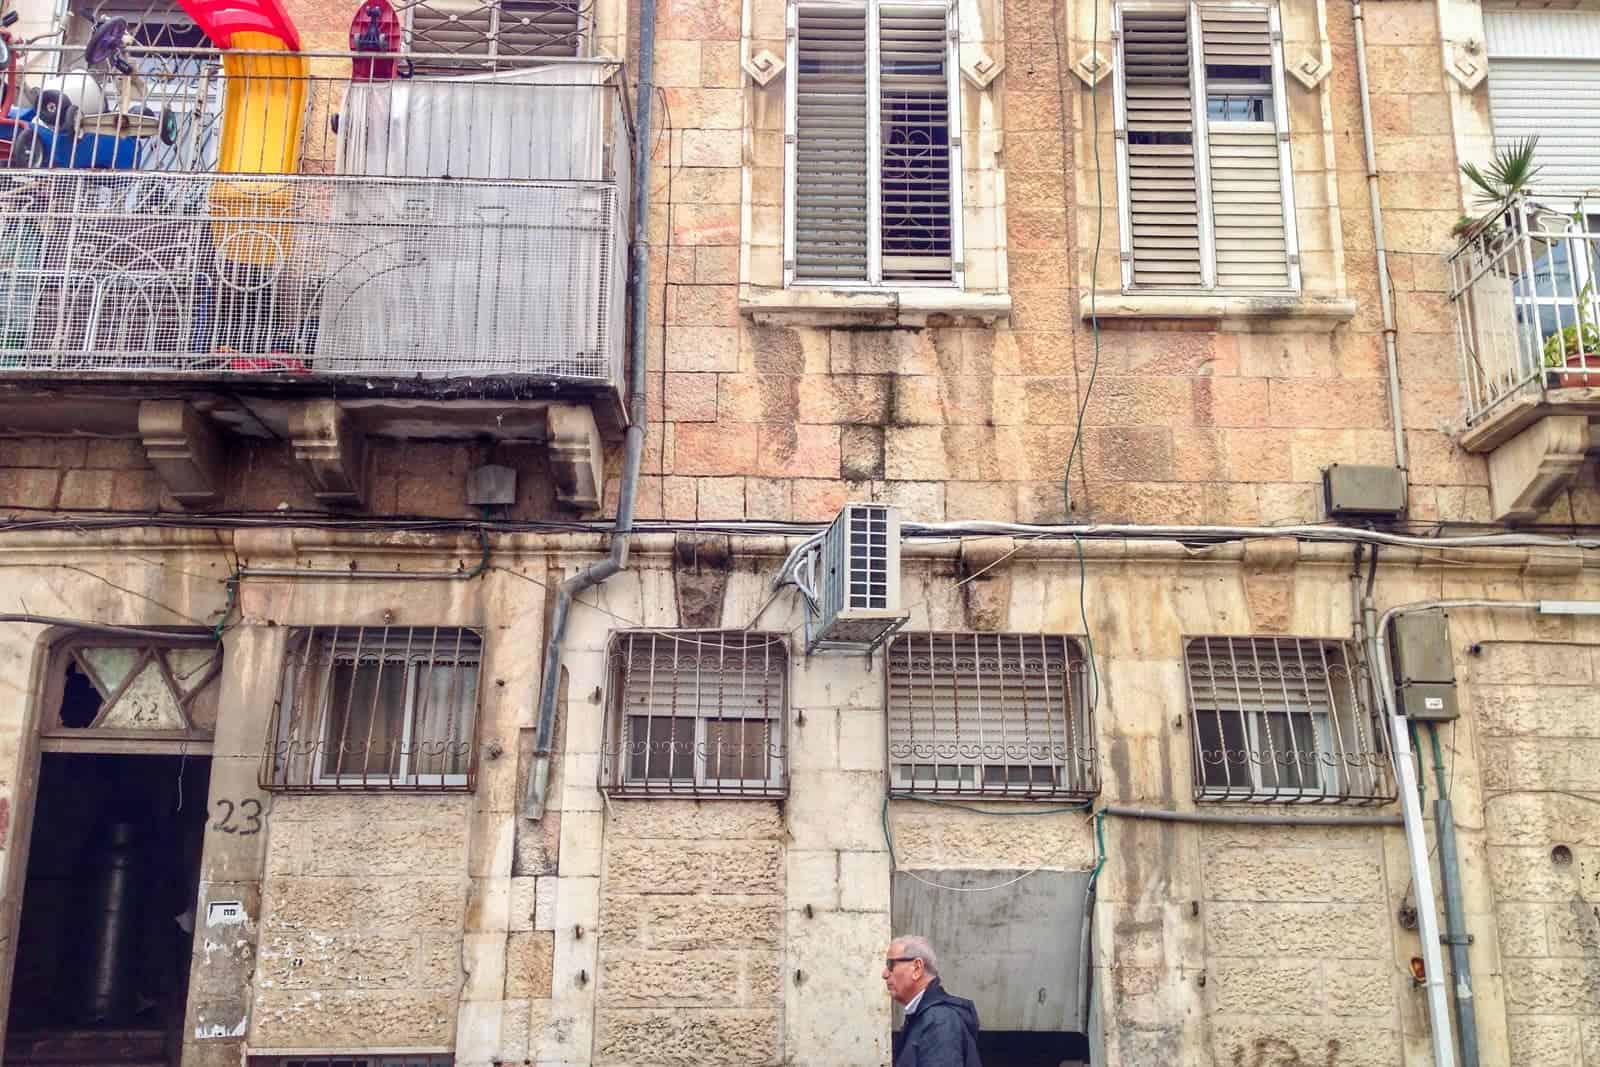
(376, 708)
(696, 713)
(1282, 720)
(483, 33)
(989, 714)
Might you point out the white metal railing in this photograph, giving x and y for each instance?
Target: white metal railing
(197, 220)
(1525, 286)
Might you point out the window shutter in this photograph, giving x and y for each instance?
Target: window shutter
(914, 102)
(484, 29)
(831, 150)
(1263, 674)
(1246, 187)
(1163, 195)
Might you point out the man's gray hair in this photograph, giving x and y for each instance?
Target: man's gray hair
(913, 947)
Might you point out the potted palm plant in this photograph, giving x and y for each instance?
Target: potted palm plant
(1508, 176)
(1575, 349)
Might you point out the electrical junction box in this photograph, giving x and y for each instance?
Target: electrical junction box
(1358, 491)
(1424, 667)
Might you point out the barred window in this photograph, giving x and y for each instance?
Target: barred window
(392, 1060)
(376, 707)
(489, 33)
(697, 713)
(1282, 719)
(996, 714)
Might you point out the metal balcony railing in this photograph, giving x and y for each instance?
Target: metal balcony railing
(1525, 287)
(208, 218)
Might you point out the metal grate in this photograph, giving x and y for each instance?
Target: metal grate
(400, 1060)
(914, 99)
(480, 33)
(697, 713)
(999, 714)
(1282, 719)
(376, 707)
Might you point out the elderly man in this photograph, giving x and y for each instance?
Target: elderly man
(941, 1030)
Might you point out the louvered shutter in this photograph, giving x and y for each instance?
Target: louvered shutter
(831, 151)
(914, 102)
(1544, 80)
(1247, 205)
(1263, 674)
(1158, 139)
(481, 30)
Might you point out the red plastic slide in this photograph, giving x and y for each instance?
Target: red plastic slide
(221, 19)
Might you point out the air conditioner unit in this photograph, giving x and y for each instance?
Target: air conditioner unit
(858, 584)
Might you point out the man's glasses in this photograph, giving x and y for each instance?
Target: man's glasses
(892, 960)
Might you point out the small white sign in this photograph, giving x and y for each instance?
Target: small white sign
(225, 913)
(1433, 703)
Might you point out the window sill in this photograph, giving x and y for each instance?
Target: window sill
(871, 307)
(1283, 312)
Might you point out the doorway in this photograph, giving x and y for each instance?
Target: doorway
(107, 925)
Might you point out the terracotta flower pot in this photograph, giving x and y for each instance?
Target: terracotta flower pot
(1582, 371)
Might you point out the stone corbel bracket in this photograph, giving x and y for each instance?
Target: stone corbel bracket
(332, 451)
(762, 67)
(1091, 68)
(577, 460)
(1528, 472)
(1310, 69)
(980, 68)
(184, 449)
(1465, 62)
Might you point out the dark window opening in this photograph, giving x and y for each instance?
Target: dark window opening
(80, 701)
(1040, 1048)
(108, 910)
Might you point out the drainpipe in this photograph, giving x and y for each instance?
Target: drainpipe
(639, 309)
(1405, 768)
(1385, 295)
(1455, 922)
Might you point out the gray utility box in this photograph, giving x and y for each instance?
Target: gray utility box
(1424, 666)
(1357, 491)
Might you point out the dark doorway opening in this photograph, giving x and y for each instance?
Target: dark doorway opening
(1041, 1048)
(103, 947)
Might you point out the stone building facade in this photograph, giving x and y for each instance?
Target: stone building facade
(195, 559)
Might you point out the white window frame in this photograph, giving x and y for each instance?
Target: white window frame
(397, 648)
(1202, 145)
(620, 777)
(874, 279)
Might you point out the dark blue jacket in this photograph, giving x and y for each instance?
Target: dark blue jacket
(942, 1032)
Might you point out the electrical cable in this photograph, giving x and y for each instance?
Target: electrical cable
(1094, 262)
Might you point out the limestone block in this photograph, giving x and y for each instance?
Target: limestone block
(1529, 471)
(720, 819)
(1526, 873)
(1349, 1044)
(1359, 987)
(515, 1019)
(544, 902)
(346, 903)
(1329, 931)
(1521, 661)
(348, 1018)
(478, 1032)
(1265, 987)
(581, 834)
(317, 961)
(1574, 929)
(483, 958)
(811, 878)
(862, 740)
(1551, 987)
(530, 963)
(350, 848)
(1552, 1042)
(630, 978)
(1537, 710)
(185, 450)
(677, 1037)
(925, 838)
(523, 902)
(813, 739)
(713, 867)
(438, 962)
(864, 881)
(836, 809)
(687, 923)
(1522, 930)
(1248, 874)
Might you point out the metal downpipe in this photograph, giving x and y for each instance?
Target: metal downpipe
(1375, 204)
(1455, 920)
(533, 806)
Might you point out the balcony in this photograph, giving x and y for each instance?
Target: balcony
(1525, 290)
(319, 224)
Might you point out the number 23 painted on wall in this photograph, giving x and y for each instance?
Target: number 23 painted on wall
(249, 812)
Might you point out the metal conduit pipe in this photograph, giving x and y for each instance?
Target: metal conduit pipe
(1230, 819)
(1374, 201)
(1455, 919)
(639, 309)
